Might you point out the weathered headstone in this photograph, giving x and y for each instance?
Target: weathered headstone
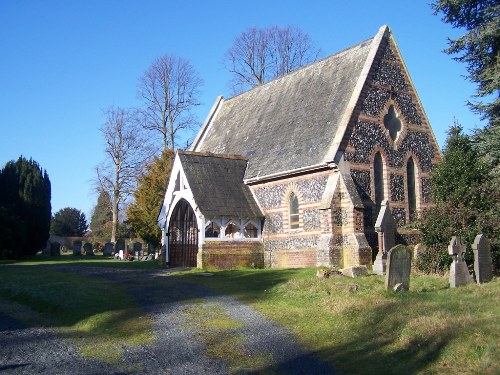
(77, 247)
(119, 245)
(88, 249)
(354, 271)
(55, 249)
(397, 276)
(137, 247)
(419, 249)
(459, 274)
(482, 259)
(385, 226)
(108, 249)
(151, 248)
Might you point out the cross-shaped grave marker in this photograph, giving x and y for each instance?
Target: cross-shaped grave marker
(459, 274)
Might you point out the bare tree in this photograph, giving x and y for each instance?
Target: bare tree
(260, 55)
(169, 89)
(126, 151)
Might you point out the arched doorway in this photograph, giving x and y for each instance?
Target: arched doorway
(182, 236)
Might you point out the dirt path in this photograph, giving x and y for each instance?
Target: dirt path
(197, 332)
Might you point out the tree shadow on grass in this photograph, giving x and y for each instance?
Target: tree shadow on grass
(373, 350)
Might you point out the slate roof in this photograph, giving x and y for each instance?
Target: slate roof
(216, 182)
(291, 122)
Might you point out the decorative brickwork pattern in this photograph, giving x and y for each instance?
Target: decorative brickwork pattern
(389, 54)
(311, 190)
(390, 75)
(368, 135)
(290, 243)
(408, 108)
(311, 220)
(362, 182)
(399, 215)
(232, 254)
(340, 217)
(273, 223)
(426, 190)
(375, 101)
(397, 187)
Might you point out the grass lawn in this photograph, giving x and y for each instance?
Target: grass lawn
(431, 329)
(98, 315)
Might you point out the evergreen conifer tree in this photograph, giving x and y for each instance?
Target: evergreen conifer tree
(25, 208)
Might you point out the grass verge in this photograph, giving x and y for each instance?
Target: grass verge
(432, 329)
(98, 315)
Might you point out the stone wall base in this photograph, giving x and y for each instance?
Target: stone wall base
(224, 255)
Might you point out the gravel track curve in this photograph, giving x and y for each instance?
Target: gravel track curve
(177, 349)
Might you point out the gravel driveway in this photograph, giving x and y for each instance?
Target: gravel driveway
(177, 349)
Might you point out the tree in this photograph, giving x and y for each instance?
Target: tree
(466, 204)
(142, 214)
(169, 89)
(25, 209)
(479, 48)
(102, 216)
(260, 55)
(126, 151)
(68, 222)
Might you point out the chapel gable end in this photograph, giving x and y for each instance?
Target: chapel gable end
(389, 144)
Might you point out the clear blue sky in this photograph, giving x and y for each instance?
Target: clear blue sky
(63, 62)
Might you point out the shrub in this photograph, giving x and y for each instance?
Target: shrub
(434, 260)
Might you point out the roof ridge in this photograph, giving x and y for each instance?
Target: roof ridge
(303, 67)
(210, 154)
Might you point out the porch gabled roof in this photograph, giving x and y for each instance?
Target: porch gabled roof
(216, 182)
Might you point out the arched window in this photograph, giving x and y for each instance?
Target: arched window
(294, 211)
(378, 172)
(212, 230)
(232, 231)
(250, 231)
(410, 183)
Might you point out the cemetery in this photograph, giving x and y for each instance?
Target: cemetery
(313, 224)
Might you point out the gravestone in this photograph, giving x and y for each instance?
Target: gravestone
(77, 247)
(119, 245)
(137, 246)
(88, 249)
(151, 248)
(354, 271)
(482, 259)
(397, 276)
(108, 249)
(385, 226)
(55, 249)
(459, 274)
(419, 249)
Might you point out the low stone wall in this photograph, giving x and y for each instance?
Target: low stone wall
(225, 255)
(290, 258)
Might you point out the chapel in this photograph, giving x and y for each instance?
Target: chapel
(293, 173)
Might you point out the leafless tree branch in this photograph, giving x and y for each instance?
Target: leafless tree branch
(260, 55)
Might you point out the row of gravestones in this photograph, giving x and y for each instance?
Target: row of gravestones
(459, 273)
(398, 264)
(109, 248)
